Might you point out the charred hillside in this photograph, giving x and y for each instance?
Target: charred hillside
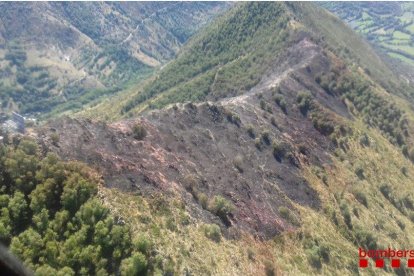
(291, 136)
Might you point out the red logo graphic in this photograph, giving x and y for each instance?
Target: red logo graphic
(380, 255)
(379, 263)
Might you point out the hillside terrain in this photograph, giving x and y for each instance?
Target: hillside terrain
(69, 54)
(389, 26)
(277, 142)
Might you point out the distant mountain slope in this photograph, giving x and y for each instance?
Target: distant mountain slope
(389, 25)
(212, 66)
(74, 52)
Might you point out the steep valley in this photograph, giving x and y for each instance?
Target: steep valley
(61, 56)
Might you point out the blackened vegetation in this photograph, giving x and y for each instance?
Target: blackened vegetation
(210, 142)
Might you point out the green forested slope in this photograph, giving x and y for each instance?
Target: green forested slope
(226, 59)
(53, 220)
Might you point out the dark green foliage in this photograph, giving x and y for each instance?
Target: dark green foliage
(134, 265)
(139, 132)
(52, 220)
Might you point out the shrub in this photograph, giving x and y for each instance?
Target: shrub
(233, 118)
(134, 265)
(266, 137)
(359, 171)
(411, 216)
(303, 149)
(411, 154)
(221, 207)
(273, 121)
(258, 143)
(401, 224)
(142, 244)
(55, 138)
(139, 132)
(324, 252)
(280, 101)
(203, 200)
(366, 239)
(238, 163)
(304, 101)
(404, 171)
(314, 257)
(288, 215)
(362, 198)
(190, 183)
(364, 140)
(280, 150)
(250, 131)
(262, 104)
(408, 202)
(213, 232)
(282, 106)
(269, 268)
(323, 125)
(346, 214)
(385, 190)
(251, 254)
